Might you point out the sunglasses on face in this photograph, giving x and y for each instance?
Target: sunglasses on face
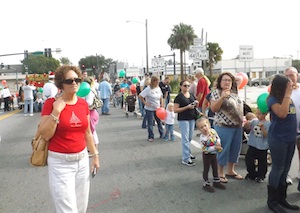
(186, 85)
(71, 80)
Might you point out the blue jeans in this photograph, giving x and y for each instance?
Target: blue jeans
(105, 107)
(30, 103)
(231, 140)
(149, 118)
(38, 106)
(187, 131)
(141, 107)
(282, 154)
(169, 128)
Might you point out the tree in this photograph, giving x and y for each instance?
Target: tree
(98, 61)
(181, 38)
(65, 61)
(40, 64)
(215, 55)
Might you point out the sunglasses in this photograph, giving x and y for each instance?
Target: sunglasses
(186, 85)
(70, 81)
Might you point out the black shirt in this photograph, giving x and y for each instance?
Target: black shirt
(188, 114)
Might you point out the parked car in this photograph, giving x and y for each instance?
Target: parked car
(255, 82)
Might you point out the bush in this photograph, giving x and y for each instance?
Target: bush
(175, 86)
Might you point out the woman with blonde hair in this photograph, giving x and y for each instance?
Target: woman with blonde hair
(152, 98)
(193, 85)
(94, 115)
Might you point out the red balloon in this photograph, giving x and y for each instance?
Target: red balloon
(244, 79)
(122, 89)
(3, 82)
(133, 87)
(161, 113)
(269, 88)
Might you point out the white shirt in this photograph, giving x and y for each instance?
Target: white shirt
(152, 96)
(170, 117)
(28, 92)
(296, 100)
(49, 90)
(5, 93)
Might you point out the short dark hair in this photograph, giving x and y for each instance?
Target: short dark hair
(62, 71)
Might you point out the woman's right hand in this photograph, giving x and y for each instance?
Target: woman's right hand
(59, 104)
(225, 93)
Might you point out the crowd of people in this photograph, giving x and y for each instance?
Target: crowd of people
(222, 124)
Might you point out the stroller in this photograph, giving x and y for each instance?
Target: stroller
(130, 105)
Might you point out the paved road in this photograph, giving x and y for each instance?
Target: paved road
(135, 175)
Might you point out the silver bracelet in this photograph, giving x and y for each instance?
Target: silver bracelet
(92, 155)
(56, 119)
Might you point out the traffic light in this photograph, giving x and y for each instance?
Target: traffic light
(2, 65)
(82, 67)
(8, 67)
(25, 54)
(94, 68)
(47, 52)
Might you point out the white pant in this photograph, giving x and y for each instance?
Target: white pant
(69, 182)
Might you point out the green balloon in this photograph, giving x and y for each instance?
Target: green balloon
(262, 102)
(122, 74)
(41, 90)
(135, 80)
(84, 89)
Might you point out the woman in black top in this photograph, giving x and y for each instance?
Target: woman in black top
(184, 105)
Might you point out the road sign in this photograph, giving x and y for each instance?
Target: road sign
(196, 48)
(201, 54)
(246, 53)
(158, 63)
(198, 41)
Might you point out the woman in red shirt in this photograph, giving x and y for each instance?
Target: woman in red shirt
(66, 124)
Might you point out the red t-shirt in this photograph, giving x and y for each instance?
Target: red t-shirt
(69, 136)
(202, 87)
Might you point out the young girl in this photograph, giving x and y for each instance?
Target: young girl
(211, 145)
(258, 147)
(169, 122)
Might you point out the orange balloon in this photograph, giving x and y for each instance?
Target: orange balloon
(244, 79)
(3, 82)
(133, 87)
(161, 113)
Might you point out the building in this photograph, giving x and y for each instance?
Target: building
(257, 68)
(13, 76)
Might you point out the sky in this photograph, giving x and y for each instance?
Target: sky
(84, 28)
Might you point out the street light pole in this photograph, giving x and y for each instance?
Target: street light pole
(147, 66)
(146, 26)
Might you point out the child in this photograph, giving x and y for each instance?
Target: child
(169, 122)
(211, 145)
(258, 147)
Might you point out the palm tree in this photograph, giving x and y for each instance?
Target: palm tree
(65, 61)
(215, 55)
(181, 38)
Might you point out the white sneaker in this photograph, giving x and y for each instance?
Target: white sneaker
(289, 180)
(189, 163)
(31, 114)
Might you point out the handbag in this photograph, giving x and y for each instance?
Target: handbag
(39, 151)
(97, 102)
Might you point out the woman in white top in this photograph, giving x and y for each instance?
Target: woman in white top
(28, 98)
(152, 98)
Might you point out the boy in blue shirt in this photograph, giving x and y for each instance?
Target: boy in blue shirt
(258, 147)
